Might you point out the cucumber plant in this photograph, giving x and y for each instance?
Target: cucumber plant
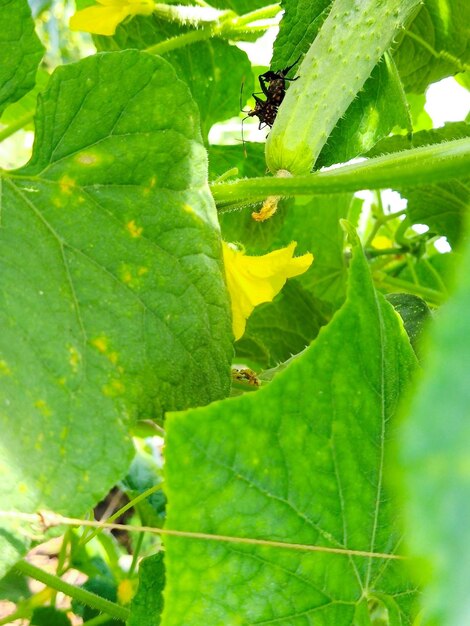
(313, 470)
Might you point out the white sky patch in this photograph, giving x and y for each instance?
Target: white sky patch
(447, 101)
(420, 228)
(260, 51)
(442, 245)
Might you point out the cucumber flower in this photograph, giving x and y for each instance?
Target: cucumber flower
(252, 280)
(104, 18)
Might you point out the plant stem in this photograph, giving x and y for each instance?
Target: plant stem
(226, 28)
(259, 14)
(49, 519)
(135, 556)
(415, 167)
(180, 41)
(126, 507)
(77, 593)
(393, 284)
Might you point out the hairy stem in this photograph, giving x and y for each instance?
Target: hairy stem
(86, 597)
(419, 166)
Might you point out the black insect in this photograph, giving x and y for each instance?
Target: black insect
(273, 86)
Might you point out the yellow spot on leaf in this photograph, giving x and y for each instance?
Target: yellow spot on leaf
(101, 343)
(74, 358)
(43, 408)
(4, 369)
(252, 280)
(134, 230)
(88, 158)
(113, 357)
(113, 388)
(22, 488)
(188, 208)
(142, 271)
(66, 184)
(126, 276)
(64, 433)
(153, 182)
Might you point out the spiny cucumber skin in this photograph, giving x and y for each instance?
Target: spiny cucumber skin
(350, 43)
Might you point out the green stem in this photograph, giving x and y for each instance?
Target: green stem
(77, 593)
(375, 252)
(393, 284)
(180, 41)
(264, 13)
(61, 561)
(135, 556)
(17, 125)
(145, 494)
(226, 28)
(415, 167)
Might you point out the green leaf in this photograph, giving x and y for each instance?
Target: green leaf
(443, 207)
(113, 302)
(435, 272)
(379, 107)
(299, 26)
(435, 45)
(301, 460)
(397, 143)
(277, 330)
(147, 605)
(435, 440)
(103, 587)
(146, 472)
(314, 222)
(20, 114)
(224, 158)
(213, 70)
(20, 51)
(49, 616)
(415, 314)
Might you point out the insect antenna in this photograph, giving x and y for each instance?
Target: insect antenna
(242, 110)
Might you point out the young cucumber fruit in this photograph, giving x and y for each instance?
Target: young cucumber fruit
(349, 44)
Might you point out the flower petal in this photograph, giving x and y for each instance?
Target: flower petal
(100, 20)
(252, 280)
(104, 19)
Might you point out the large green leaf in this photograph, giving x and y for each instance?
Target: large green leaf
(112, 298)
(20, 51)
(302, 460)
(434, 451)
(435, 45)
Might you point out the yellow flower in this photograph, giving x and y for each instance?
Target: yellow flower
(104, 18)
(252, 280)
